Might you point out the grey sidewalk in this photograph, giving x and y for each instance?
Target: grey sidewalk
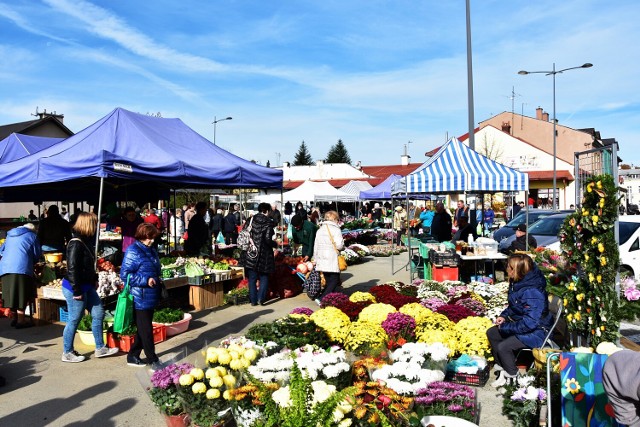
(43, 391)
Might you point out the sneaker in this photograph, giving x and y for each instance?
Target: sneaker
(157, 365)
(503, 379)
(72, 357)
(106, 351)
(135, 361)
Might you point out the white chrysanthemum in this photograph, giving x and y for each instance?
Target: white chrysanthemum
(332, 371)
(525, 380)
(282, 397)
(321, 391)
(531, 393)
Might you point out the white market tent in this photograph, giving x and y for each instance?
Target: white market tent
(354, 188)
(321, 191)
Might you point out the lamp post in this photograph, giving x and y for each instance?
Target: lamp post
(215, 122)
(553, 73)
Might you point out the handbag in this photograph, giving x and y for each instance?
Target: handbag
(123, 316)
(245, 242)
(342, 261)
(313, 284)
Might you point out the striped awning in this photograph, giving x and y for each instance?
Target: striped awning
(456, 168)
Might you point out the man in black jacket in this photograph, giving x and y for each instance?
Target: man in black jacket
(520, 244)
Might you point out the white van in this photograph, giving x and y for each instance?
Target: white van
(629, 245)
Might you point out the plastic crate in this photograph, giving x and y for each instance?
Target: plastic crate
(196, 280)
(64, 314)
(441, 274)
(478, 380)
(406, 240)
(444, 258)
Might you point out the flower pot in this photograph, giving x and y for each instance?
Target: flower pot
(177, 327)
(86, 337)
(181, 420)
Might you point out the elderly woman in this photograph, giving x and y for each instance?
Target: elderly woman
(141, 269)
(18, 254)
(526, 320)
(79, 289)
(326, 249)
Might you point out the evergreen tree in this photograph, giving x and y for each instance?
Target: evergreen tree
(338, 154)
(303, 157)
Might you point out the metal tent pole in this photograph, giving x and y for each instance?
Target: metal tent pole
(98, 227)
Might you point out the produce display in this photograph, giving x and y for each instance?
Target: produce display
(109, 283)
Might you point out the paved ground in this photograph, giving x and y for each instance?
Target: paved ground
(43, 391)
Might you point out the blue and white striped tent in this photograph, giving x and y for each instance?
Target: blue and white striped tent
(456, 168)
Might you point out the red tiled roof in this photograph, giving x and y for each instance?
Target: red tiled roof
(380, 173)
(548, 175)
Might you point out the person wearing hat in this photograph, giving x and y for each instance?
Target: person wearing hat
(376, 214)
(20, 251)
(522, 239)
(399, 223)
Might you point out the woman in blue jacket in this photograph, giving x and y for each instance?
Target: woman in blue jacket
(18, 254)
(526, 320)
(141, 267)
(426, 218)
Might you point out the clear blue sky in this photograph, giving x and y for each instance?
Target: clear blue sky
(375, 74)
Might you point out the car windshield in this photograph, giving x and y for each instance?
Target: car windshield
(626, 230)
(521, 218)
(547, 227)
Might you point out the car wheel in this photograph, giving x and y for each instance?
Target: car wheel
(625, 269)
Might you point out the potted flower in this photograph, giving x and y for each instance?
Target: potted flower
(164, 393)
(85, 333)
(175, 320)
(122, 340)
(237, 296)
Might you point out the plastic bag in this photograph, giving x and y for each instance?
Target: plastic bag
(123, 316)
(220, 238)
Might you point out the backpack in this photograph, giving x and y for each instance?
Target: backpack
(245, 242)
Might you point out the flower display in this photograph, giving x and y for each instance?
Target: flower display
(433, 303)
(333, 321)
(444, 398)
(476, 305)
(417, 311)
(399, 325)
(302, 310)
(376, 404)
(387, 294)
(291, 331)
(164, 388)
(376, 313)
(365, 338)
(455, 312)
(471, 336)
(406, 378)
(362, 297)
(334, 299)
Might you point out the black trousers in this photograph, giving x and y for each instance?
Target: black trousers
(332, 281)
(503, 349)
(144, 337)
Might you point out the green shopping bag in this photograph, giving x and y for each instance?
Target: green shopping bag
(123, 316)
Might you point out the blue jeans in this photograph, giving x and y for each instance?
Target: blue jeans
(90, 301)
(257, 295)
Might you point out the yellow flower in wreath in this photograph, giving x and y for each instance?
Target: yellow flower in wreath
(601, 203)
(590, 187)
(594, 219)
(592, 278)
(586, 257)
(603, 261)
(580, 297)
(599, 278)
(572, 386)
(600, 247)
(569, 317)
(599, 184)
(594, 240)
(572, 222)
(578, 316)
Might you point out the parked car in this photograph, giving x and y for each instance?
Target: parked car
(510, 228)
(545, 230)
(629, 238)
(632, 209)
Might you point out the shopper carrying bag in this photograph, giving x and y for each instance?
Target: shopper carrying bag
(123, 316)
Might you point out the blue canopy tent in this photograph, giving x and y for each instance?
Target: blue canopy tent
(16, 146)
(381, 191)
(131, 155)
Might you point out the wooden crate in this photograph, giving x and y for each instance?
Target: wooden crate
(206, 296)
(47, 310)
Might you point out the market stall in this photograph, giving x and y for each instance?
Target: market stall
(456, 169)
(129, 156)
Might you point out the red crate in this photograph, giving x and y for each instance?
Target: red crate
(124, 342)
(441, 274)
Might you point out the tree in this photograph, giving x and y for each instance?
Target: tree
(303, 158)
(338, 154)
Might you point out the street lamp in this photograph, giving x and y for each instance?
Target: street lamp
(215, 122)
(553, 73)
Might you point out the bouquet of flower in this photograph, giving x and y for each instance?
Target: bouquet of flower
(164, 388)
(378, 405)
(302, 403)
(522, 401)
(352, 257)
(444, 398)
(333, 321)
(365, 338)
(400, 328)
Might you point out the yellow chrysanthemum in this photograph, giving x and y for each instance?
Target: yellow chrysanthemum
(362, 297)
(600, 247)
(334, 321)
(595, 219)
(199, 388)
(213, 393)
(417, 311)
(197, 373)
(186, 379)
(216, 382)
(376, 313)
(599, 278)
